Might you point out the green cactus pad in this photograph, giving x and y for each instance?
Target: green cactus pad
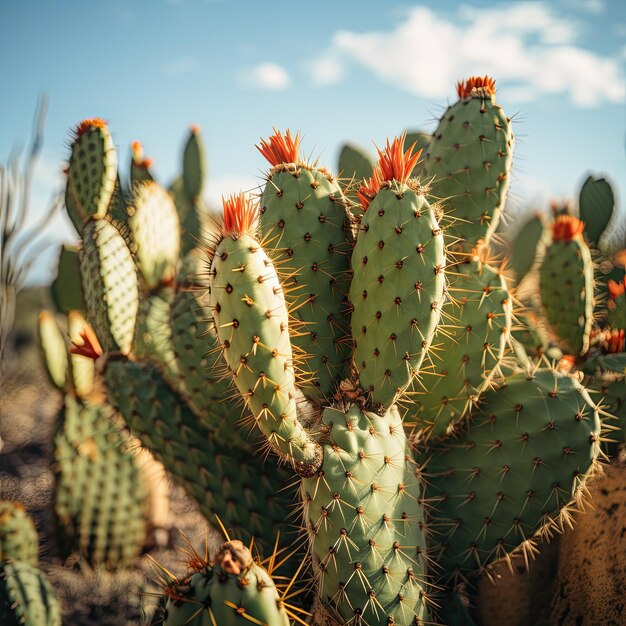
(567, 285)
(468, 353)
(508, 473)
(596, 203)
(109, 281)
(194, 164)
(469, 160)
(92, 173)
(139, 166)
(421, 141)
(100, 501)
(525, 245)
(66, 289)
(397, 289)
(153, 221)
(364, 518)
(18, 538)
(54, 350)
(232, 591)
(249, 495)
(252, 324)
(303, 228)
(26, 597)
(193, 216)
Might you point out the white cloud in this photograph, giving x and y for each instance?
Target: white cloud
(266, 76)
(525, 45)
(183, 65)
(595, 7)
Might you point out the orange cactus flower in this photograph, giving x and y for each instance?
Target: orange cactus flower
(280, 148)
(614, 341)
(85, 125)
(240, 214)
(394, 162)
(476, 86)
(566, 228)
(369, 188)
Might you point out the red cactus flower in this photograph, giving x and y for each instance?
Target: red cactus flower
(240, 214)
(566, 228)
(280, 148)
(480, 86)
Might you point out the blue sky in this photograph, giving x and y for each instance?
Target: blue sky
(338, 71)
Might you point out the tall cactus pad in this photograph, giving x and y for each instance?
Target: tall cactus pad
(100, 501)
(596, 203)
(92, 172)
(26, 597)
(303, 227)
(364, 519)
(154, 223)
(398, 285)
(54, 350)
(469, 159)
(233, 483)
(66, 289)
(507, 474)
(139, 165)
(109, 281)
(194, 164)
(525, 246)
(18, 537)
(252, 324)
(233, 590)
(468, 353)
(567, 284)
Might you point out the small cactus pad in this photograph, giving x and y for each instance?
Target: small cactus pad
(92, 173)
(525, 245)
(364, 518)
(54, 350)
(469, 160)
(510, 471)
(398, 285)
(596, 204)
(194, 164)
(567, 284)
(18, 537)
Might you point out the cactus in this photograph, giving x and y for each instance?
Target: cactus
(469, 160)
(230, 590)
(26, 597)
(509, 474)
(18, 537)
(303, 224)
(524, 246)
(595, 204)
(397, 290)
(567, 284)
(329, 324)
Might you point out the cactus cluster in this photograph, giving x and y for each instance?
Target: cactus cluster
(357, 332)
